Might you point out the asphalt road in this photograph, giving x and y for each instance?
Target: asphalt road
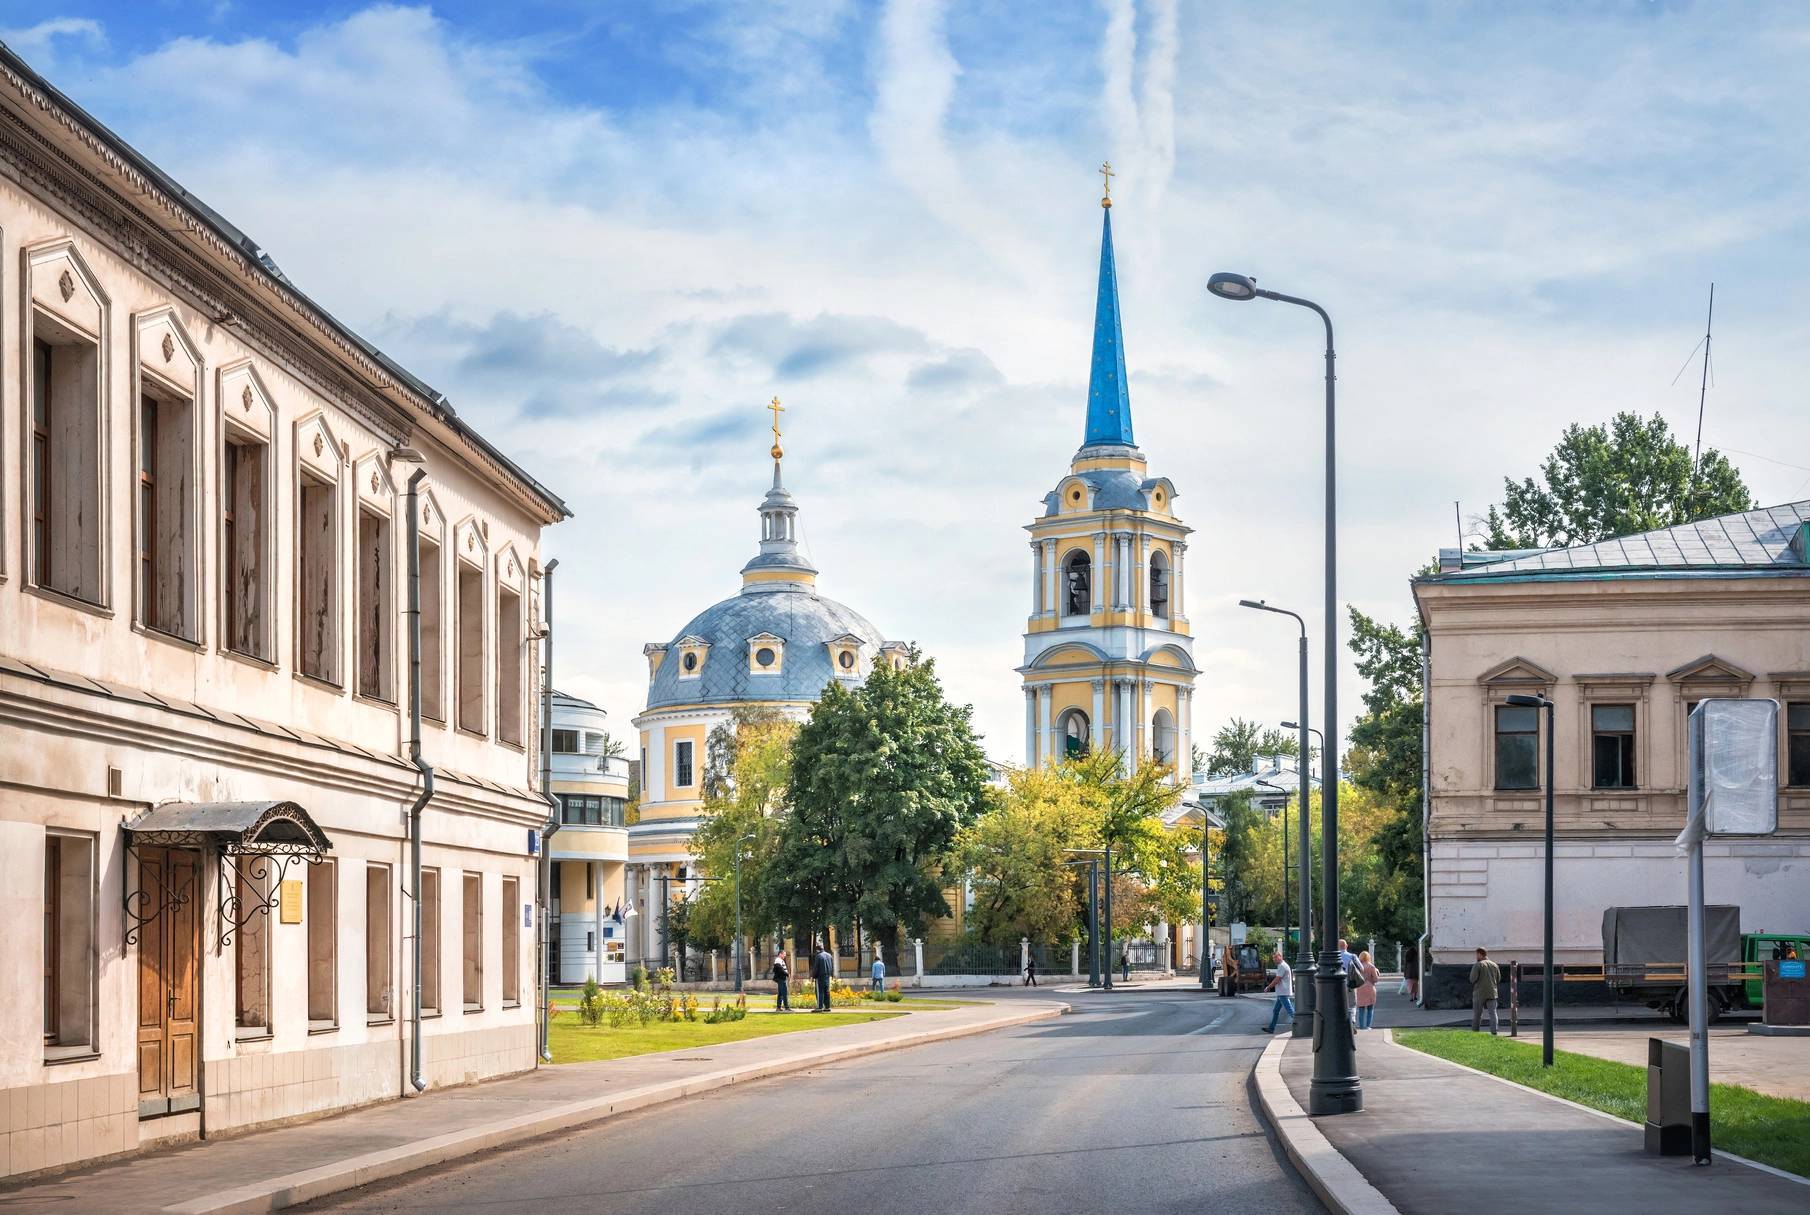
(1137, 1101)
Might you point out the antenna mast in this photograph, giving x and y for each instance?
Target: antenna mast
(1702, 395)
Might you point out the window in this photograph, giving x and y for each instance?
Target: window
(323, 942)
(430, 939)
(590, 810)
(565, 742)
(512, 942)
(1517, 747)
(471, 650)
(432, 683)
(317, 580)
(1797, 728)
(242, 548)
(379, 969)
(473, 910)
(681, 763)
(1159, 585)
(846, 660)
(68, 941)
(376, 667)
(251, 945)
(1612, 746)
(764, 657)
(1077, 577)
(1074, 734)
(509, 666)
(166, 483)
(65, 491)
(1162, 737)
(689, 664)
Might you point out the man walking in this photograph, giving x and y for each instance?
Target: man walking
(1485, 976)
(823, 965)
(782, 974)
(879, 971)
(1284, 983)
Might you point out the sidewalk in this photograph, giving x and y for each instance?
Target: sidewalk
(1779, 1067)
(269, 1170)
(1433, 1137)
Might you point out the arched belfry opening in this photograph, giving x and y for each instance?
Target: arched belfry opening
(1077, 581)
(1159, 585)
(1075, 734)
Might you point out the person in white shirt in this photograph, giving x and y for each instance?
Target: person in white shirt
(1284, 985)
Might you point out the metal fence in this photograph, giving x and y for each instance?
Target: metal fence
(957, 958)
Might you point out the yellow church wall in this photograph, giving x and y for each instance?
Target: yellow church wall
(1164, 659)
(1070, 655)
(694, 791)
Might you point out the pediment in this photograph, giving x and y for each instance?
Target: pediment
(511, 570)
(1709, 669)
(164, 350)
(371, 481)
(766, 639)
(316, 447)
(470, 544)
(433, 519)
(1518, 670)
(245, 401)
(62, 284)
(691, 641)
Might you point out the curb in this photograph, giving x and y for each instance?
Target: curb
(280, 1192)
(1335, 1179)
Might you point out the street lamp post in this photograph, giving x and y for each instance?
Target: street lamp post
(1540, 702)
(1335, 1088)
(1305, 1002)
(738, 910)
(1093, 911)
(1204, 947)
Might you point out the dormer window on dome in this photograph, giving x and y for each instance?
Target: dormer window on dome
(845, 656)
(766, 654)
(692, 652)
(656, 653)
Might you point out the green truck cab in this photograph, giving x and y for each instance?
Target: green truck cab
(1769, 947)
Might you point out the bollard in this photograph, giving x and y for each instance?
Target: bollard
(1514, 999)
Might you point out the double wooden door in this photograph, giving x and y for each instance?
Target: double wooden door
(169, 984)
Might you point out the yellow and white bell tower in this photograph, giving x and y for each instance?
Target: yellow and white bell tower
(1108, 660)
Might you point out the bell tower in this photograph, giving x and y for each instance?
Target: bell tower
(1108, 658)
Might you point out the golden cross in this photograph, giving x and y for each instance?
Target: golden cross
(1107, 173)
(777, 409)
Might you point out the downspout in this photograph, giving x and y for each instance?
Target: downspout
(544, 871)
(1423, 947)
(427, 777)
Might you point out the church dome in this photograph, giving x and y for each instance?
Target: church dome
(727, 639)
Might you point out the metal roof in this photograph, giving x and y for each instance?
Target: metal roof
(235, 827)
(1754, 543)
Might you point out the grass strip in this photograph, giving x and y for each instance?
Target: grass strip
(1771, 1130)
(571, 1041)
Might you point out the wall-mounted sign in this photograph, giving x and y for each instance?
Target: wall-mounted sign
(291, 910)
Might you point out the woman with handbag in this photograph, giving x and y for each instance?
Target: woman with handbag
(1364, 997)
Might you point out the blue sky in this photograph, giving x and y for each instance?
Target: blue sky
(611, 232)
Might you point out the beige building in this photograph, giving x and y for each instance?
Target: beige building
(1625, 637)
(205, 781)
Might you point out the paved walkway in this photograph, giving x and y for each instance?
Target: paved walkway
(1778, 1066)
(1435, 1138)
(268, 1170)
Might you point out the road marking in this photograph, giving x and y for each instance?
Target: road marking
(1215, 1023)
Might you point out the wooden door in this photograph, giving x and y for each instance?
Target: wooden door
(169, 988)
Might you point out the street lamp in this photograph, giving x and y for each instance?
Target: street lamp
(1335, 1088)
(738, 911)
(1540, 702)
(1203, 948)
(1304, 1008)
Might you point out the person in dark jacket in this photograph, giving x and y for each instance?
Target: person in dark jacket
(781, 975)
(823, 965)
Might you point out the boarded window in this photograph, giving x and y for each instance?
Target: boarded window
(473, 910)
(376, 666)
(317, 582)
(243, 548)
(251, 943)
(165, 506)
(65, 490)
(430, 939)
(68, 940)
(323, 941)
(1517, 747)
(471, 650)
(433, 703)
(509, 666)
(512, 942)
(379, 966)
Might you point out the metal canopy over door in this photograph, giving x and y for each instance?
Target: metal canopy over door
(169, 992)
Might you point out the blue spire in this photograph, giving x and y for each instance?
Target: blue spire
(1108, 402)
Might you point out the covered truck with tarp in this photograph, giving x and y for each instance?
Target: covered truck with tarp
(1644, 949)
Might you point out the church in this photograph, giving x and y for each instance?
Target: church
(1108, 660)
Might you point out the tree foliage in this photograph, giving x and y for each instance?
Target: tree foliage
(1238, 743)
(1384, 894)
(1606, 481)
(882, 778)
(746, 768)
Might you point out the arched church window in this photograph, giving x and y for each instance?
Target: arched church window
(1162, 737)
(1075, 736)
(1078, 576)
(1159, 585)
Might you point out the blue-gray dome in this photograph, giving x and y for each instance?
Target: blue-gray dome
(803, 620)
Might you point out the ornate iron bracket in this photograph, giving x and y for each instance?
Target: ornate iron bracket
(144, 906)
(236, 909)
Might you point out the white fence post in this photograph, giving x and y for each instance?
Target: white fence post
(917, 945)
(1074, 958)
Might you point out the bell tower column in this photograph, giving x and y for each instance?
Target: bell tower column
(1052, 580)
(1045, 694)
(1030, 727)
(1098, 732)
(1177, 605)
(1099, 591)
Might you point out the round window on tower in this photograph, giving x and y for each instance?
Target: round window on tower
(764, 656)
(690, 662)
(846, 660)
(1074, 495)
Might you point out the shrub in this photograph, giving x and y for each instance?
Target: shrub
(663, 978)
(842, 995)
(619, 1007)
(638, 977)
(720, 1013)
(647, 1007)
(895, 995)
(590, 1004)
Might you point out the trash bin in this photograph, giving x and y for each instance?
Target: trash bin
(1668, 1098)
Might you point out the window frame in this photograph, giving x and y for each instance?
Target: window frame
(69, 962)
(172, 496)
(470, 704)
(252, 425)
(1792, 734)
(253, 889)
(432, 979)
(380, 950)
(690, 769)
(1497, 709)
(325, 899)
(43, 470)
(324, 471)
(511, 943)
(471, 912)
(1626, 761)
(511, 608)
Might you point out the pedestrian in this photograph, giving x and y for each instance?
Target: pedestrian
(1284, 984)
(1485, 976)
(1030, 972)
(1125, 962)
(879, 971)
(1410, 968)
(823, 965)
(1364, 998)
(1348, 965)
(782, 974)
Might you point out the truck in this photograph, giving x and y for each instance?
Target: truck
(1644, 951)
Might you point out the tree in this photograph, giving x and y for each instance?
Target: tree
(1238, 744)
(746, 768)
(1601, 482)
(882, 778)
(1014, 854)
(1385, 760)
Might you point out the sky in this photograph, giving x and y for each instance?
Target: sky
(611, 232)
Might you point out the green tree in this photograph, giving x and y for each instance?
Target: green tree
(883, 777)
(1384, 894)
(1238, 744)
(1014, 854)
(747, 763)
(1606, 481)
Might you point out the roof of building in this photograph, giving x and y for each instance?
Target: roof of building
(567, 700)
(1268, 774)
(1768, 542)
(1108, 399)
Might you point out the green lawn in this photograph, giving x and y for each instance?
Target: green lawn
(566, 999)
(1771, 1130)
(574, 1042)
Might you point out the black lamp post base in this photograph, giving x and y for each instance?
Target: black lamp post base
(1335, 1088)
(1335, 1097)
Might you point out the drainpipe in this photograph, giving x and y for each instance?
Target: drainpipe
(427, 773)
(1423, 955)
(544, 871)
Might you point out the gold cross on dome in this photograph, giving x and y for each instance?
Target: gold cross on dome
(777, 409)
(1107, 173)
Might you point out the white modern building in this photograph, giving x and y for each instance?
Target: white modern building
(589, 920)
